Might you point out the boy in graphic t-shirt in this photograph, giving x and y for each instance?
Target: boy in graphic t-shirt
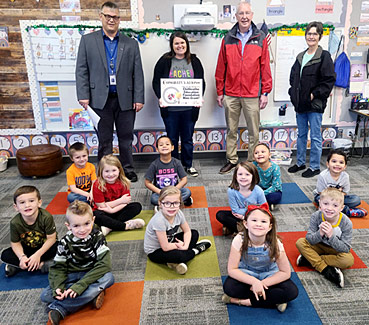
(166, 171)
(81, 175)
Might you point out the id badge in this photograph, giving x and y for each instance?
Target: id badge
(113, 80)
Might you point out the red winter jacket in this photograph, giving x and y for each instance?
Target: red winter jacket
(239, 76)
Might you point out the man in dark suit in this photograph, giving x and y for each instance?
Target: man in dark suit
(110, 80)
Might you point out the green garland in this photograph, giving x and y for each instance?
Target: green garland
(296, 26)
(162, 31)
(129, 31)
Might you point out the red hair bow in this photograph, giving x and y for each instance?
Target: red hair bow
(264, 207)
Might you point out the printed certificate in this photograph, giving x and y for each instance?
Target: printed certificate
(181, 92)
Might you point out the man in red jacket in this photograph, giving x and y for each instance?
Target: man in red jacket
(243, 80)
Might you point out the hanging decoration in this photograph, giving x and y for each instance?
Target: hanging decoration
(297, 26)
(142, 35)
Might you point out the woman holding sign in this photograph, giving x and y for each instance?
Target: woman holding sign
(178, 63)
(312, 79)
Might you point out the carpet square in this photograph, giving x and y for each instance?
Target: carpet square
(289, 242)
(122, 304)
(292, 193)
(135, 234)
(216, 226)
(22, 280)
(198, 195)
(361, 223)
(299, 311)
(202, 266)
(59, 203)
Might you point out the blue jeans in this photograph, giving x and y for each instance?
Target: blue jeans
(315, 121)
(181, 124)
(185, 193)
(274, 197)
(71, 305)
(74, 196)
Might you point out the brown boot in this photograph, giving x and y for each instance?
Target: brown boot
(99, 300)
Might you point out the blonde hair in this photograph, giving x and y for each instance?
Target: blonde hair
(333, 193)
(111, 160)
(79, 208)
(170, 190)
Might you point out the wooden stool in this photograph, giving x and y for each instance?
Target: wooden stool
(39, 160)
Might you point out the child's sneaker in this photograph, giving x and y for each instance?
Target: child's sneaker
(156, 208)
(192, 171)
(302, 261)
(98, 300)
(358, 212)
(188, 202)
(55, 317)
(134, 224)
(282, 307)
(202, 245)
(10, 270)
(335, 275)
(271, 207)
(105, 230)
(180, 268)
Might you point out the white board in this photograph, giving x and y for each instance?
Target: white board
(287, 48)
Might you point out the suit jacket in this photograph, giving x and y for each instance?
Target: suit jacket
(92, 76)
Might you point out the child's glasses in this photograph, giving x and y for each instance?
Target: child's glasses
(171, 204)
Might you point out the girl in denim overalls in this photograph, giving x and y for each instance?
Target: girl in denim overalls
(258, 268)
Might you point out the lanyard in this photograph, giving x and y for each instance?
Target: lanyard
(112, 57)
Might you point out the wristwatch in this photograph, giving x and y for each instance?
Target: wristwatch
(265, 94)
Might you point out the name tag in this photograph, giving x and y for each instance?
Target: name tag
(113, 80)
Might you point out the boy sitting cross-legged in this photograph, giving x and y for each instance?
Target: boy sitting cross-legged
(80, 175)
(328, 241)
(32, 234)
(82, 266)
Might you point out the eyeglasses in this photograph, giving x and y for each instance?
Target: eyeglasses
(108, 17)
(171, 204)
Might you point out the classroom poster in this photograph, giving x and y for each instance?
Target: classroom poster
(324, 6)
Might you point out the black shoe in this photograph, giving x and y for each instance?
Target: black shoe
(188, 202)
(55, 317)
(132, 176)
(302, 261)
(310, 173)
(296, 168)
(202, 245)
(191, 171)
(10, 270)
(227, 168)
(335, 275)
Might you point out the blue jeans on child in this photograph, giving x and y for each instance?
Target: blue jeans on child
(315, 121)
(185, 193)
(71, 305)
(74, 196)
(274, 197)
